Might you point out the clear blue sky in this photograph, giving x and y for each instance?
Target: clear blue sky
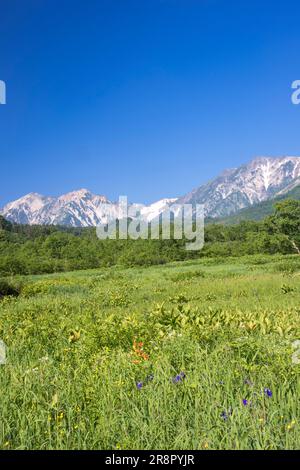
(147, 98)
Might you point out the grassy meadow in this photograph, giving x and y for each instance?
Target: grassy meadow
(190, 355)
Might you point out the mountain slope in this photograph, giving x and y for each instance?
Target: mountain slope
(261, 210)
(235, 189)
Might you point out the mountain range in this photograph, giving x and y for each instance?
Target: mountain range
(260, 180)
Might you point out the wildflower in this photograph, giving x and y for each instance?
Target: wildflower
(176, 379)
(179, 377)
(139, 385)
(139, 352)
(245, 402)
(224, 415)
(74, 336)
(291, 425)
(60, 417)
(268, 392)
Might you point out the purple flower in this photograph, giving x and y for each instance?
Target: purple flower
(179, 377)
(139, 385)
(245, 402)
(268, 392)
(224, 415)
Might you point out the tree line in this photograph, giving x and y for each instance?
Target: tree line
(26, 249)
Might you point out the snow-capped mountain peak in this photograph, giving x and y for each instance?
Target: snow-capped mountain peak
(256, 181)
(262, 178)
(80, 208)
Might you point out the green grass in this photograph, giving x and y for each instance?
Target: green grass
(71, 372)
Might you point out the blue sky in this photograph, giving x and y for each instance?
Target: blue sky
(145, 98)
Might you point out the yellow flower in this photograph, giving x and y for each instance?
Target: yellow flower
(291, 425)
(60, 417)
(74, 336)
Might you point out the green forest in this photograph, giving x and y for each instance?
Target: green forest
(28, 249)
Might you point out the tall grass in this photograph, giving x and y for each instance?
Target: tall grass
(92, 358)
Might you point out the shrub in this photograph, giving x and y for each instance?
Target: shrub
(7, 289)
(287, 267)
